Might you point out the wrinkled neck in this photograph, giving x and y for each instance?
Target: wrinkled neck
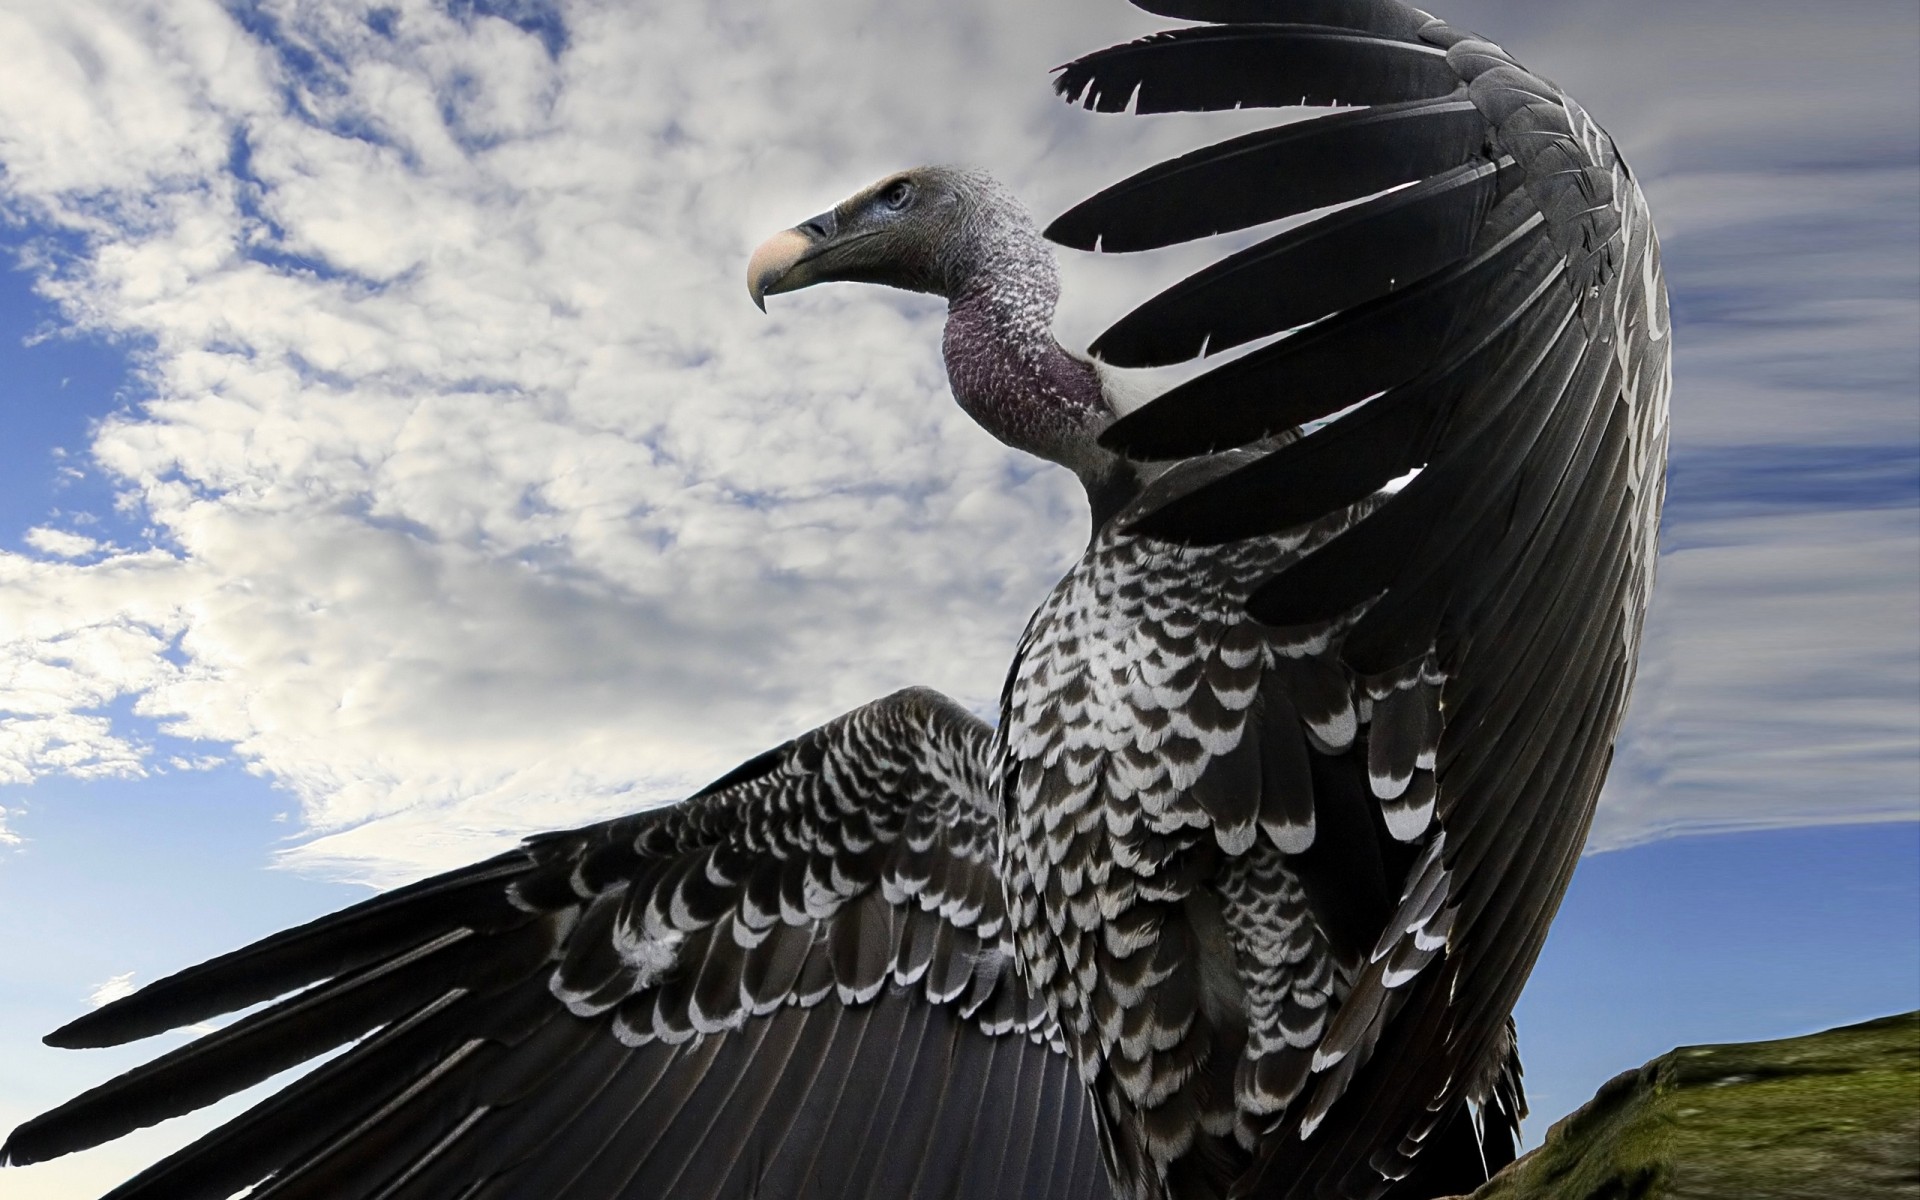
(1007, 370)
(1015, 380)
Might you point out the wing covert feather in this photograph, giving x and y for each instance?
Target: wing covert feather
(793, 984)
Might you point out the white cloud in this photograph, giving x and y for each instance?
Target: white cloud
(1779, 679)
(113, 989)
(80, 637)
(482, 500)
(506, 509)
(60, 543)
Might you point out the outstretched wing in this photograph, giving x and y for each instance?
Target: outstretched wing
(1487, 325)
(795, 984)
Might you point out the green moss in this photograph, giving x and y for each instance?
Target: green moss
(1832, 1116)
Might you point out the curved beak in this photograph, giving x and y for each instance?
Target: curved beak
(780, 263)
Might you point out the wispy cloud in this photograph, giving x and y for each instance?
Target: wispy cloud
(118, 987)
(481, 500)
(1778, 685)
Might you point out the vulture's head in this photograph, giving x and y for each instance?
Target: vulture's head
(942, 230)
(959, 234)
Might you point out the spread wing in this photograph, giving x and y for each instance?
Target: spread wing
(795, 984)
(1487, 326)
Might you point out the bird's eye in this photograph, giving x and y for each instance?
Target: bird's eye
(898, 195)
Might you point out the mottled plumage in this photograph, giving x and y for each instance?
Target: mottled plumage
(1156, 772)
(1290, 772)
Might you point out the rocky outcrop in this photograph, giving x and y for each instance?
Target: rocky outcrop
(1832, 1116)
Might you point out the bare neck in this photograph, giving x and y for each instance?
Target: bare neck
(1014, 379)
(1006, 368)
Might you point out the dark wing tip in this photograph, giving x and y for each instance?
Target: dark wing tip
(11, 1153)
(1078, 82)
(1278, 172)
(39, 1140)
(1157, 432)
(291, 959)
(1075, 229)
(127, 1019)
(1205, 517)
(90, 1032)
(1207, 68)
(1137, 340)
(1389, 18)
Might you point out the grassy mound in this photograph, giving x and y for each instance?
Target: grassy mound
(1832, 1116)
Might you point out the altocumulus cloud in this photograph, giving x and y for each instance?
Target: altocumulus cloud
(479, 500)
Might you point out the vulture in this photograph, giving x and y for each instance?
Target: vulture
(1290, 772)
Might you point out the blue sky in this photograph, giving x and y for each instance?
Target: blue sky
(394, 466)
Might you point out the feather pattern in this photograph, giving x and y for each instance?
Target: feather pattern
(575, 1017)
(1156, 756)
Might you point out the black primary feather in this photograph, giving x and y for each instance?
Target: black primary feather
(1399, 21)
(1206, 68)
(1322, 369)
(1339, 261)
(1275, 173)
(330, 946)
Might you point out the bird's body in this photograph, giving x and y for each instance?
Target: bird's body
(1170, 939)
(1290, 770)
